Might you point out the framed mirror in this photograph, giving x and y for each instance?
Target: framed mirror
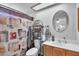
(60, 21)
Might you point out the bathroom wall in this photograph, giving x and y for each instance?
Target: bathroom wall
(46, 17)
(77, 22)
(15, 42)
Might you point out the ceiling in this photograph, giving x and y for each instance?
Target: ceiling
(27, 7)
(23, 7)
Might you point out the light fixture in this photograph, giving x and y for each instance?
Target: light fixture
(40, 6)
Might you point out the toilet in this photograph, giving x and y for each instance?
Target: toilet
(34, 51)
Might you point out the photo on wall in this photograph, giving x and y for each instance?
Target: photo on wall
(20, 36)
(13, 35)
(24, 34)
(10, 22)
(13, 46)
(13, 22)
(3, 20)
(3, 36)
(24, 44)
(2, 49)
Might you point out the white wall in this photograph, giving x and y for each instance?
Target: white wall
(77, 23)
(46, 17)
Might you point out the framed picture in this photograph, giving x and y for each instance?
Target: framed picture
(3, 20)
(13, 22)
(24, 34)
(20, 34)
(24, 44)
(13, 46)
(10, 22)
(2, 49)
(3, 36)
(13, 35)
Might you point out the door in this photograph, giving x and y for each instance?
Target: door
(58, 52)
(47, 50)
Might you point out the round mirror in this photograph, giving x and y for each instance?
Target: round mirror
(60, 20)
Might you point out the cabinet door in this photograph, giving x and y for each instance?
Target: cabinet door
(47, 50)
(58, 52)
(71, 53)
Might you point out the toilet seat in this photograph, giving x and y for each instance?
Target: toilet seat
(32, 52)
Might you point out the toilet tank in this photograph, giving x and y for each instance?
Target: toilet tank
(37, 43)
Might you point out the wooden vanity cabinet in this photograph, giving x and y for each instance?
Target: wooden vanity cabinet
(47, 50)
(55, 51)
(71, 53)
(58, 52)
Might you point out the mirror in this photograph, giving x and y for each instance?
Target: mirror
(60, 21)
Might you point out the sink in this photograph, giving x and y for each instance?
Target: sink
(69, 46)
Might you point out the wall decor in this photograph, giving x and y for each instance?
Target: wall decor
(13, 35)
(24, 34)
(2, 49)
(14, 46)
(3, 36)
(13, 22)
(24, 44)
(17, 22)
(10, 22)
(3, 20)
(20, 34)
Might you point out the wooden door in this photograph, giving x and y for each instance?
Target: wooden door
(58, 52)
(71, 53)
(47, 50)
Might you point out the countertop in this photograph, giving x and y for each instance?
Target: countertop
(68, 46)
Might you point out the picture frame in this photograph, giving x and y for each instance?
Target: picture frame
(13, 46)
(20, 36)
(3, 36)
(3, 20)
(2, 50)
(13, 35)
(24, 33)
(13, 22)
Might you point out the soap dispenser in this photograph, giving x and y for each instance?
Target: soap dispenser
(47, 33)
(53, 38)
